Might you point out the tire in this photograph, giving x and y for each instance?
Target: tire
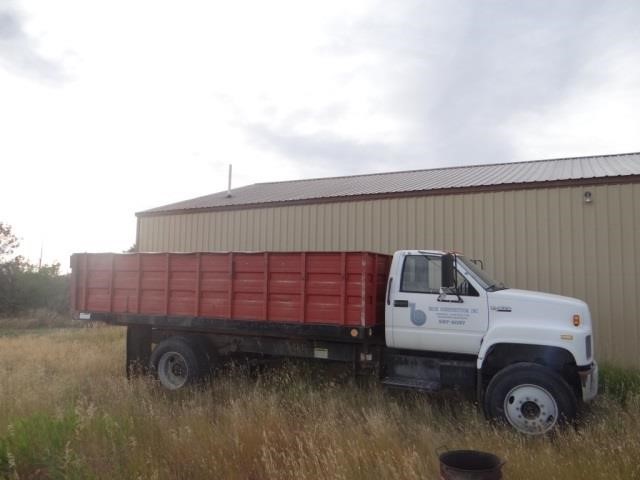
(531, 398)
(178, 362)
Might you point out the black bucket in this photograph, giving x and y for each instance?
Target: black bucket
(470, 465)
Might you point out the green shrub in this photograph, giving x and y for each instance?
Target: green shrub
(24, 288)
(39, 446)
(619, 383)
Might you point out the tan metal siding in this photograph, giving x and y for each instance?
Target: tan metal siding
(540, 239)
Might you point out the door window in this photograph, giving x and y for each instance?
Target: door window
(423, 274)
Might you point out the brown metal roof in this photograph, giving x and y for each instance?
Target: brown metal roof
(432, 181)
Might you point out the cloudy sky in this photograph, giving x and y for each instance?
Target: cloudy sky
(108, 108)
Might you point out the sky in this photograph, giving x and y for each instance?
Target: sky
(109, 108)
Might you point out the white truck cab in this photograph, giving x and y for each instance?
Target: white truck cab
(533, 351)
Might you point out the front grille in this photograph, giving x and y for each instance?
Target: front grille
(587, 342)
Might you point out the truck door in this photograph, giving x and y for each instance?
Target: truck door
(422, 319)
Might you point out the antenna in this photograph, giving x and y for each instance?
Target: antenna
(229, 187)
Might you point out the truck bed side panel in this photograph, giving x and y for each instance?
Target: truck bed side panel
(333, 288)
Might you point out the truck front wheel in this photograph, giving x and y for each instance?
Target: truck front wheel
(177, 362)
(530, 397)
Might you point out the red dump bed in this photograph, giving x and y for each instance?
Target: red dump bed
(334, 288)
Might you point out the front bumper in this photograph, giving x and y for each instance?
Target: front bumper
(589, 381)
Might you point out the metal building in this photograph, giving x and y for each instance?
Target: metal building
(568, 226)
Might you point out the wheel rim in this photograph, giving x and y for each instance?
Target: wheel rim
(173, 371)
(531, 409)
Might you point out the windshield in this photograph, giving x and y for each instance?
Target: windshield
(480, 275)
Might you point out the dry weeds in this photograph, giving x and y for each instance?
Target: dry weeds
(66, 411)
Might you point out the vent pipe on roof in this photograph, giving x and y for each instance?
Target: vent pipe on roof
(229, 187)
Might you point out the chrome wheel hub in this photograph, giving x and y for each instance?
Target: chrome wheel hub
(531, 409)
(173, 371)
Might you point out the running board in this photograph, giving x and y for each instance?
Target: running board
(412, 384)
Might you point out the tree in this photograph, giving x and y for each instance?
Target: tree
(24, 286)
(8, 242)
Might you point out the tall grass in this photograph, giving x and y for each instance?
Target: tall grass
(40, 318)
(619, 383)
(67, 411)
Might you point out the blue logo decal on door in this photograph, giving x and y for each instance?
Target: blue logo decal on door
(418, 317)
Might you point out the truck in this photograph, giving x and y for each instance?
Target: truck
(422, 320)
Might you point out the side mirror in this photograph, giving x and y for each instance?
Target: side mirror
(448, 279)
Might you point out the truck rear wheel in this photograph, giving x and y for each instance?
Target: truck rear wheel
(177, 362)
(531, 398)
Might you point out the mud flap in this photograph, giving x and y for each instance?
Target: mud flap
(138, 350)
